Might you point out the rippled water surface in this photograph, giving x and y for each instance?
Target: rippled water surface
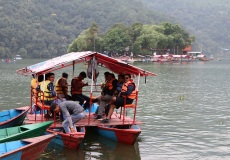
(185, 110)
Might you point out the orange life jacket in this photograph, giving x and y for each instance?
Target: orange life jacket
(109, 84)
(125, 88)
(58, 87)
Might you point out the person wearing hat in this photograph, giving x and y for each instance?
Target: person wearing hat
(77, 84)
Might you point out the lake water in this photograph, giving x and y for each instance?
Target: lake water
(185, 110)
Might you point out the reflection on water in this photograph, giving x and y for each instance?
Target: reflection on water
(185, 110)
(94, 147)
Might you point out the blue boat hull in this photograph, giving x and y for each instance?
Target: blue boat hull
(13, 117)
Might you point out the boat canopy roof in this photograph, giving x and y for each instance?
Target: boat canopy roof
(66, 60)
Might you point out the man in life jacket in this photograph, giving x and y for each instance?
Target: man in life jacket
(61, 88)
(107, 93)
(126, 96)
(46, 88)
(76, 90)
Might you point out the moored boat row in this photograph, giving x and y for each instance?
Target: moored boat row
(19, 141)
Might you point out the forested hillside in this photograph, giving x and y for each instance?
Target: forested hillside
(208, 20)
(45, 28)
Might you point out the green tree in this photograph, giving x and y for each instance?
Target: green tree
(23, 52)
(87, 40)
(117, 38)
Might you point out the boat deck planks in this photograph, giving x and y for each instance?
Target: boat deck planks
(115, 120)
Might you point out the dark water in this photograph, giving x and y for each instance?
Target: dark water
(185, 110)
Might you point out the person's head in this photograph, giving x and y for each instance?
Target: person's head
(54, 108)
(121, 78)
(64, 75)
(50, 77)
(106, 74)
(127, 77)
(82, 75)
(113, 75)
(40, 78)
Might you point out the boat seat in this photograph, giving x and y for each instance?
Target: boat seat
(12, 131)
(124, 110)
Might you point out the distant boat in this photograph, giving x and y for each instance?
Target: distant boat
(211, 57)
(18, 57)
(13, 117)
(26, 149)
(24, 131)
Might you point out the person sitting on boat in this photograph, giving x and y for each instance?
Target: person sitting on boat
(47, 93)
(61, 88)
(76, 90)
(106, 74)
(72, 113)
(46, 88)
(34, 84)
(106, 94)
(120, 82)
(126, 96)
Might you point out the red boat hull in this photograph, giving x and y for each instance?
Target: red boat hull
(71, 141)
(31, 151)
(117, 133)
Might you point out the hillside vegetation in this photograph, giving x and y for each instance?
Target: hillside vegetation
(45, 28)
(207, 20)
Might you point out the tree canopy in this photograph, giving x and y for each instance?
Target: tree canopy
(139, 38)
(207, 20)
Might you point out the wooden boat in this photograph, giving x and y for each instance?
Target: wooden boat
(26, 149)
(25, 131)
(98, 59)
(122, 133)
(71, 141)
(13, 117)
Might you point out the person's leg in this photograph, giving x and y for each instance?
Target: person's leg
(104, 100)
(75, 118)
(65, 125)
(49, 113)
(108, 117)
(87, 99)
(107, 107)
(111, 109)
(118, 102)
(78, 97)
(113, 100)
